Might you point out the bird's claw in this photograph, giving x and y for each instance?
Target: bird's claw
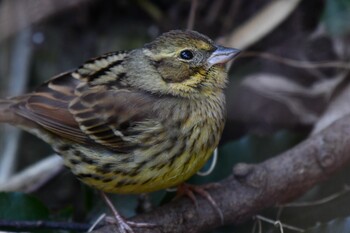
(189, 190)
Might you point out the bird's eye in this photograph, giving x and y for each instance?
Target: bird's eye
(186, 54)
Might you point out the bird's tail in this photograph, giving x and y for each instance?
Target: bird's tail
(10, 112)
(6, 113)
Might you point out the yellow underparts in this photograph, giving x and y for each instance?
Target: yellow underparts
(146, 180)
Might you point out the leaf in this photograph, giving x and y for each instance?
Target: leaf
(336, 16)
(19, 206)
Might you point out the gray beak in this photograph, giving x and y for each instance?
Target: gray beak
(222, 55)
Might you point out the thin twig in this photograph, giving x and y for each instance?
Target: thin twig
(296, 63)
(192, 16)
(321, 201)
(26, 225)
(214, 11)
(152, 10)
(279, 224)
(231, 15)
(97, 222)
(257, 223)
(214, 160)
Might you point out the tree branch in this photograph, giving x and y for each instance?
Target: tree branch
(252, 188)
(35, 225)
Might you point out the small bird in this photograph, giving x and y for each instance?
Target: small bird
(133, 121)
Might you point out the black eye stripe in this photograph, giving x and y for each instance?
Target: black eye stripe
(186, 54)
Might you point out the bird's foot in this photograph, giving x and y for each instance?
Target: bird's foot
(126, 226)
(123, 225)
(189, 190)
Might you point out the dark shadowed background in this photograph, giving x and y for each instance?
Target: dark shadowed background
(280, 90)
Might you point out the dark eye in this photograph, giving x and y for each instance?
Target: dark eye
(186, 55)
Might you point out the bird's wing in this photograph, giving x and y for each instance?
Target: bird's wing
(48, 107)
(114, 118)
(87, 106)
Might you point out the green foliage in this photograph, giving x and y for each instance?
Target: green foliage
(22, 207)
(19, 206)
(336, 17)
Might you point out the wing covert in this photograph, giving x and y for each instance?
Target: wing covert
(109, 117)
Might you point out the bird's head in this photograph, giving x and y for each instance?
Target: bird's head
(185, 63)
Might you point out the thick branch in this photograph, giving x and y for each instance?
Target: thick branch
(252, 188)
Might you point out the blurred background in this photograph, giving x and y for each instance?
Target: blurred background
(290, 82)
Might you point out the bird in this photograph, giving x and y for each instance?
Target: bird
(134, 121)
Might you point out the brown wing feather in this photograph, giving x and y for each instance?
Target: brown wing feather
(109, 117)
(87, 107)
(48, 107)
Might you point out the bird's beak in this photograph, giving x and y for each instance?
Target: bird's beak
(222, 55)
